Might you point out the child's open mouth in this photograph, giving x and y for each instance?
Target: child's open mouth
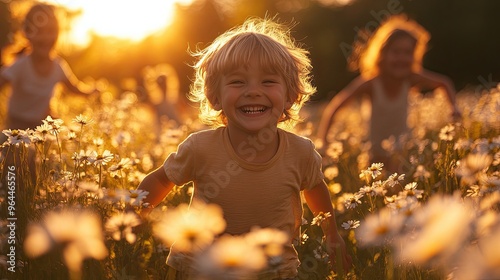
(253, 109)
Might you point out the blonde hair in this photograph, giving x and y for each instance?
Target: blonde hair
(367, 58)
(265, 40)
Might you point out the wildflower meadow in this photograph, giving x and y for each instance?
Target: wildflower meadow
(70, 208)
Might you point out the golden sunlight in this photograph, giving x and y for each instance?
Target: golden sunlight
(131, 20)
(336, 3)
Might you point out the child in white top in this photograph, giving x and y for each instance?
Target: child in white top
(33, 76)
(249, 80)
(390, 65)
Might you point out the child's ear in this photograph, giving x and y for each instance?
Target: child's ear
(214, 102)
(216, 105)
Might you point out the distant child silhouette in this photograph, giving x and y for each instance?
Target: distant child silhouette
(390, 65)
(33, 76)
(158, 88)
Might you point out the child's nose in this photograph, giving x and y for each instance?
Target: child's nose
(253, 90)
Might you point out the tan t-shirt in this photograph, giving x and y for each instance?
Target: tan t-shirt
(250, 194)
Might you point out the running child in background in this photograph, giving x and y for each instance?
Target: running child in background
(390, 66)
(248, 82)
(158, 89)
(33, 75)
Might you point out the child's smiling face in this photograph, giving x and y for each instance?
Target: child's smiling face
(398, 57)
(252, 98)
(43, 37)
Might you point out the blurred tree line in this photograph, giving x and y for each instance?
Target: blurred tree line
(463, 45)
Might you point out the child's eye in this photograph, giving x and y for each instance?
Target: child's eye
(270, 81)
(235, 82)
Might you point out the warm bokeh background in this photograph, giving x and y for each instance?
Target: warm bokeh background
(444, 210)
(464, 41)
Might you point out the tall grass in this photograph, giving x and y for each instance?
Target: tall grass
(77, 214)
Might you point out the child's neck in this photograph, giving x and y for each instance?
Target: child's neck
(42, 64)
(256, 147)
(40, 58)
(392, 84)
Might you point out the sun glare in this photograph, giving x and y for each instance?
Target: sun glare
(336, 3)
(132, 20)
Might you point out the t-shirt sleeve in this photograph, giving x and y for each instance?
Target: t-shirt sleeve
(313, 173)
(10, 72)
(180, 165)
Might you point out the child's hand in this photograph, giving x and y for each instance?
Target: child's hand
(337, 249)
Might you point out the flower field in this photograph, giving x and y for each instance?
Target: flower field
(70, 209)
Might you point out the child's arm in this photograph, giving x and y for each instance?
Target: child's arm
(158, 185)
(351, 90)
(318, 200)
(76, 86)
(72, 83)
(432, 80)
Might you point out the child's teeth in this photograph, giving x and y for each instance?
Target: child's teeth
(253, 109)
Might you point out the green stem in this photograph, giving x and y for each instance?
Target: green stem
(100, 175)
(389, 268)
(76, 174)
(60, 150)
